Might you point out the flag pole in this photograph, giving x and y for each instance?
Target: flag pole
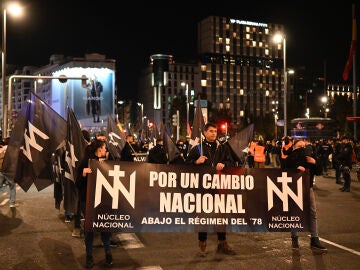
(200, 127)
(354, 29)
(355, 93)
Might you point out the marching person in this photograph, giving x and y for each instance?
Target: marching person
(128, 152)
(5, 180)
(157, 154)
(344, 157)
(297, 159)
(215, 155)
(98, 152)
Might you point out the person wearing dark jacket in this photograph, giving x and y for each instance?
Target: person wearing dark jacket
(157, 154)
(216, 155)
(128, 152)
(97, 152)
(345, 158)
(298, 159)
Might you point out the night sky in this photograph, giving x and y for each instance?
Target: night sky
(130, 32)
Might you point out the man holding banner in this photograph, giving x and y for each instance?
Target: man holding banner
(211, 153)
(297, 159)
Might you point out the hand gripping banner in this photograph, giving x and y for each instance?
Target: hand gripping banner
(143, 197)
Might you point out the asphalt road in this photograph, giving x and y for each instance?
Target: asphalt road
(35, 236)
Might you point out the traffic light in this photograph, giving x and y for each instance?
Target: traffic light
(174, 119)
(223, 126)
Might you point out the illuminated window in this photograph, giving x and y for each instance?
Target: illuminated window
(220, 40)
(203, 83)
(203, 67)
(247, 36)
(227, 40)
(227, 47)
(266, 51)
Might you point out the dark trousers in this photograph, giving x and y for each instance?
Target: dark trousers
(203, 236)
(346, 175)
(89, 239)
(89, 236)
(337, 168)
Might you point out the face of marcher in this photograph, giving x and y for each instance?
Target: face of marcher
(101, 151)
(101, 138)
(210, 134)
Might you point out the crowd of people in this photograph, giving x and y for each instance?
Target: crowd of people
(339, 154)
(318, 157)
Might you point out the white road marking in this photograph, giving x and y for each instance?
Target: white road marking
(129, 240)
(155, 267)
(340, 246)
(4, 201)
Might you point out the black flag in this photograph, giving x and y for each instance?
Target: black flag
(198, 125)
(241, 140)
(37, 134)
(74, 153)
(115, 139)
(169, 145)
(75, 146)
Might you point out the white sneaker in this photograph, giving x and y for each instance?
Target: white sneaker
(76, 233)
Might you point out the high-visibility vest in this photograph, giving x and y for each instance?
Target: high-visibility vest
(252, 148)
(259, 153)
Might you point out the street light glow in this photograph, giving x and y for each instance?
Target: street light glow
(278, 38)
(15, 10)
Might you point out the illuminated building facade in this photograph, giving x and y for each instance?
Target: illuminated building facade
(91, 100)
(241, 66)
(162, 81)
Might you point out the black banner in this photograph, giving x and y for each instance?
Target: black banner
(143, 197)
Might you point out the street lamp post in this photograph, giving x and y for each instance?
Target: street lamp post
(122, 103)
(187, 107)
(142, 113)
(3, 72)
(275, 113)
(278, 38)
(16, 10)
